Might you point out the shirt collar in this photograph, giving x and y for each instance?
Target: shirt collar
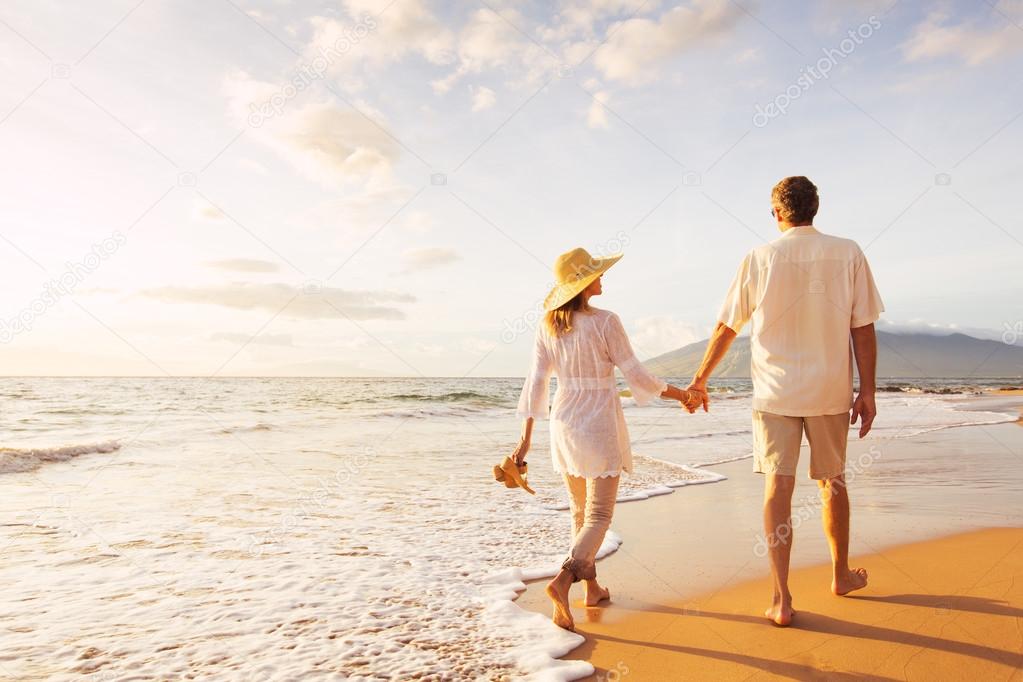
(801, 230)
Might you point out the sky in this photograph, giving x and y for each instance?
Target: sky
(366, 188)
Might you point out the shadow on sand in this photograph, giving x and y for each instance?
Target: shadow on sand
(816, 622)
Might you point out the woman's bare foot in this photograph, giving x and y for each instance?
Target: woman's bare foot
(595, 593)
(557, 591)
(854, 579)
(780, 613)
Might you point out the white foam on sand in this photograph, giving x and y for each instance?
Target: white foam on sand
(301, 553)
(541, 663)
(651, 477)
(230, 568)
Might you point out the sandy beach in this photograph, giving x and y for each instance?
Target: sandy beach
(936, 521)
(274, 544)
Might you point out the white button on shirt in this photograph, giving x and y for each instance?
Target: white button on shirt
(802, 293)
(589, 437)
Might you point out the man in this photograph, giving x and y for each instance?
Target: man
(805, 294)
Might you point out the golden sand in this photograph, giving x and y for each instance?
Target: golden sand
(947, 609)
(689, 590)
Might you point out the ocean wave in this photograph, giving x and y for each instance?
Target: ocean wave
(652, 476)
(661, 438)
(904, 432)
(244, 429)
(726, 460)
(14, 460)
(932, 389)
(427, 412)
(450, 397)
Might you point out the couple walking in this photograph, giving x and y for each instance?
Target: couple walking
(805, 294)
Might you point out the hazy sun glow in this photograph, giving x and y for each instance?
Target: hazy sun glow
(376, 187)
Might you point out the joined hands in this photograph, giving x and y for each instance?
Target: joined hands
(696, 395)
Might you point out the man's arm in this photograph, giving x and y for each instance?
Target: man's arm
(717, 347)
(864, 342)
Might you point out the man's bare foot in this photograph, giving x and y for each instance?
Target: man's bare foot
(855, 579)
(780, 613)
(596, 594)
(557, 591)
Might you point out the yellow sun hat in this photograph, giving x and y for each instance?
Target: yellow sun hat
(574, 271)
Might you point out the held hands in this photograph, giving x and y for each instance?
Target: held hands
(696, 396)
(691, 399)
(864, 408)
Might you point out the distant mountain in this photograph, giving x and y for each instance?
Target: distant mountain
(899, 355)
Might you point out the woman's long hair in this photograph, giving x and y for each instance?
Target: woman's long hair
(559, 320)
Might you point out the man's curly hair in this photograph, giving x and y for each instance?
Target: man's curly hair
(795, 198)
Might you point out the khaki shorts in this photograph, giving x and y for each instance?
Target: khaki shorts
(776, 440)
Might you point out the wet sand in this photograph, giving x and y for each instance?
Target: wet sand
(936, 520)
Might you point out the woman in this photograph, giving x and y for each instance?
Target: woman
(582, 346)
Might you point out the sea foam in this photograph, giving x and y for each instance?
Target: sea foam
(340, 544)
(14, 460)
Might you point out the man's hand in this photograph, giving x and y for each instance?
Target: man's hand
(864, 341)
(864, 408)
(717, 347)
(699, 390)
(691, 402)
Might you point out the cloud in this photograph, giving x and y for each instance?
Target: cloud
(306, 303)
(345, 222)
(428, 348)
(474, 344)
(490, 41)
(423, 259)
(636, 47)
(206, 211)
(596, 117)
(937, 37)
(417, 221)
(329, 143)
(835, 17)
(258, 340)
(652, 336)
(482, 97)
(244, 265)
(750, 54)
(339, 142)
(920, 81)
(332, 141)
(253, 165)
(391, 31)
(579, 17)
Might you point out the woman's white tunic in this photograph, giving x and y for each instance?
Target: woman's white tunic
(589, 437)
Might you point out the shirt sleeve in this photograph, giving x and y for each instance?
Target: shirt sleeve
(536, 392)
(866, 301)
(737, 308)
(644, 385)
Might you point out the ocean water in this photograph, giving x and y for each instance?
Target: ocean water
(338, 529)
